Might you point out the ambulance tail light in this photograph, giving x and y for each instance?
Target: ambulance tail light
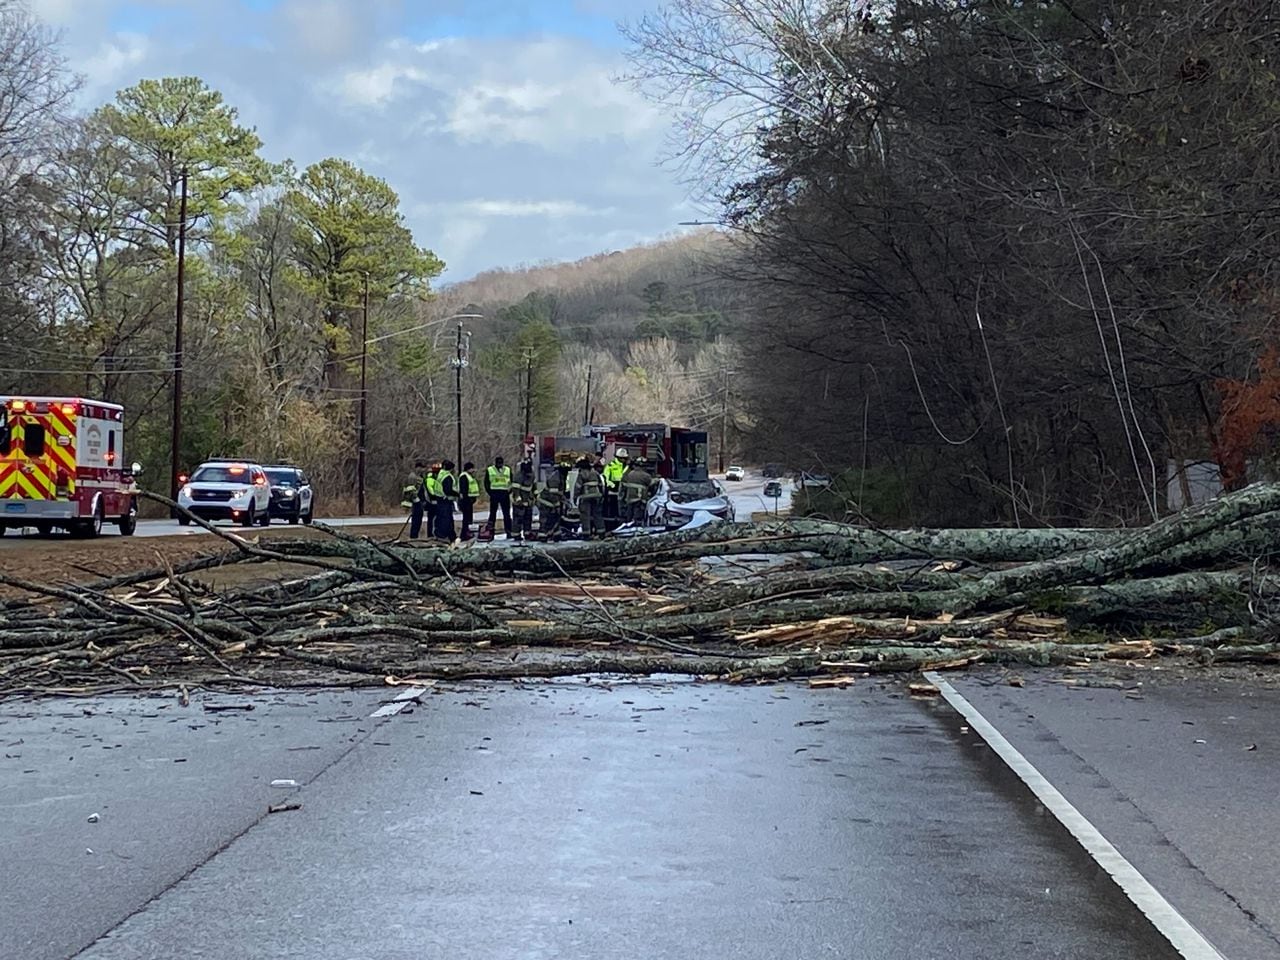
(64, 483)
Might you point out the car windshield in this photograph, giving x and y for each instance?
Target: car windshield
(735, 469)
(282, 478)
(228, 473)
(688, 492)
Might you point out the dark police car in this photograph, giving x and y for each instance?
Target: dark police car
(292, 498)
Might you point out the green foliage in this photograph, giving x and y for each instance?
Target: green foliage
(349, 226)
(165, 126)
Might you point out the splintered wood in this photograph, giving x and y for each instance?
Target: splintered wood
(738, 602)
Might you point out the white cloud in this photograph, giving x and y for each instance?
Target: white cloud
(552, 93)
(555, 209)
(376, 86)
(114, 63)
(503, 150)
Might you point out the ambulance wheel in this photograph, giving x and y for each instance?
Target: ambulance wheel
(44, 528)
(129, 522)
(94, 526)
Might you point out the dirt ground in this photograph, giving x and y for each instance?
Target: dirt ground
(64, 560)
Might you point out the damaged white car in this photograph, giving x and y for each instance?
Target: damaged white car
(680, 504)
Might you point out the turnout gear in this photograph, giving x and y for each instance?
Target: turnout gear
(636, 485)
(551, 504)
(589, 493)
(523, 487)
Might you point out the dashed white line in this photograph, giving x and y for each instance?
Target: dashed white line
(1173, 926)
(399, 703)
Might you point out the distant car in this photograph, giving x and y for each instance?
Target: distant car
(677, 503)
(227, 490)
(773, 489)
(292, 498)
(735, 473)
(771, 471)
(813, 481)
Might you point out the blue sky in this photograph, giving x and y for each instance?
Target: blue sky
(496, 121)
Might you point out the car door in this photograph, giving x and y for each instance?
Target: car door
(261, 490)
(304, 493)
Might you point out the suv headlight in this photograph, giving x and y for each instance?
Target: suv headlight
(237, 494)
(186, 491)
(288, 494)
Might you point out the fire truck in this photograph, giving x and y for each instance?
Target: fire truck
(676, 453)
(61, 465)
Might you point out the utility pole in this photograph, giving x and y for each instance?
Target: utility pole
(175, 464)
(364, 400)
(586, 410)
(724, 418)
(528, 393)
(458, 364)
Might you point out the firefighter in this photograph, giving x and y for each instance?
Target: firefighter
(468, 493)
(497, 484)
(637, 483)
(448, 486)
(414, 497)
(588, 491)
(523, 488)
(551, 502)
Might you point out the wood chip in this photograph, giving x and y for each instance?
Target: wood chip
(923, 690)
(817, 683)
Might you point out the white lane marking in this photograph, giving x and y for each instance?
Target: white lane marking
(399, 703)
(1173, 926)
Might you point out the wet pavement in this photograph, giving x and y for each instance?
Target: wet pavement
(1180, 771)
(640, 820)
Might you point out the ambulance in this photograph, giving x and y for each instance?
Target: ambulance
(61, 466)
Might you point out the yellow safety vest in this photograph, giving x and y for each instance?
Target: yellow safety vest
(613, 472)
(434, 489)
(473, 489)
(499, 479)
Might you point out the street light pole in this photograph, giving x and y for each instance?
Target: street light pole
(586, 410)
(175, 463)
(364, 400)
(458, 364)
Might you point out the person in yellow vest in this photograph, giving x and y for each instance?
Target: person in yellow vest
(448, 485)
(468, 494)
(414, 497)
(613, 472)
(497, 484)
(523, 489)
(434, 494)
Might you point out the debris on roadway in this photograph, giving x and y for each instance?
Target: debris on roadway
(729, 601)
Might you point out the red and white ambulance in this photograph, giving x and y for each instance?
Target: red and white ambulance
(61, 465)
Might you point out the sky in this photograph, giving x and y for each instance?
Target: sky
(497, 121)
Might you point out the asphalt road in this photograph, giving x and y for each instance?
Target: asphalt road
(1179, 773)
(641, 820)
(747, 495)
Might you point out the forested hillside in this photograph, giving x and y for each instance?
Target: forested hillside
(1007, 261)
(284, 267)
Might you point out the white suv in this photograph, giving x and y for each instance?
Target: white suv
(227, 490)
